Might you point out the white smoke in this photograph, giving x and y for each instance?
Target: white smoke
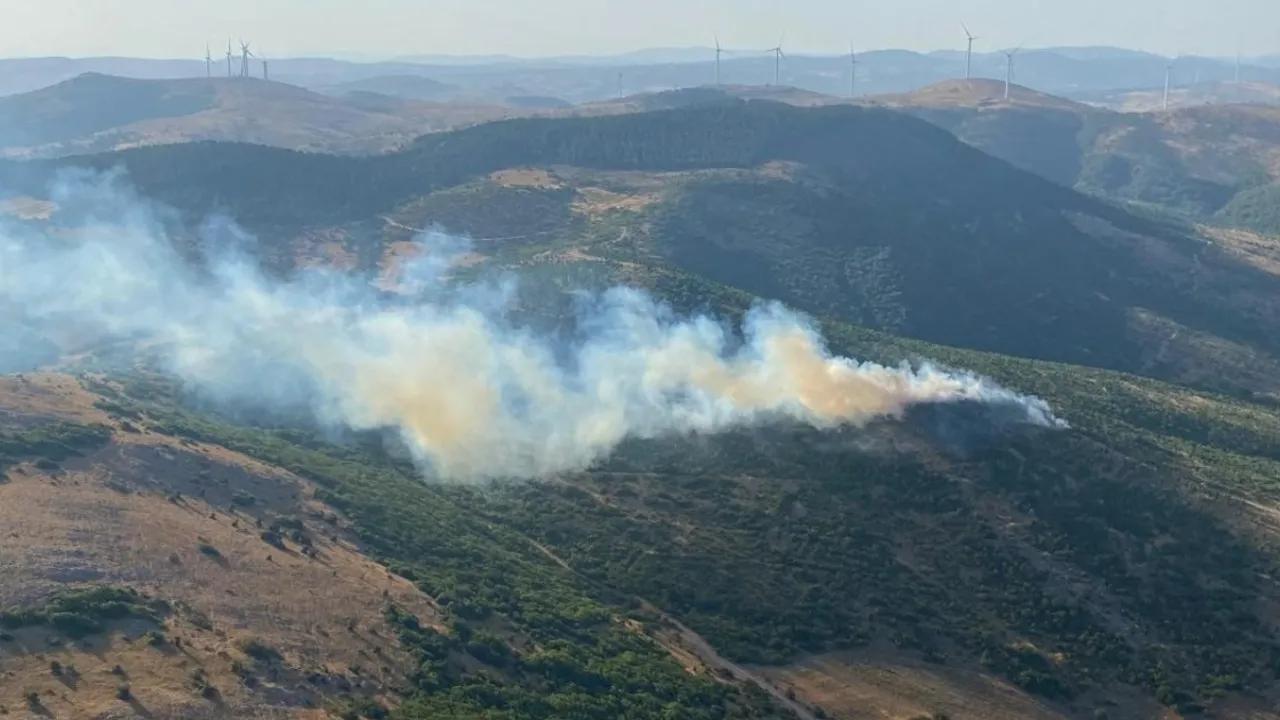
(472, 395)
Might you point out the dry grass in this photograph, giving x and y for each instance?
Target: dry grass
(1218, 94)
(35, 397)
(27, 208)
(399, 253)
(593, 201)
(978, 92)
(1259, 251)
(880, 685)
(322, 248)
(138, 512)
(336, 256)
(524, 177)
(394, 257)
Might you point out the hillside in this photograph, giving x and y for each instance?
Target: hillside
(1207, 93)
(92, 113)
(1120, 568)
(705, 95)
(858, 213)
(1212, 163)
(213, 584)
(979, 93)
(252, 587)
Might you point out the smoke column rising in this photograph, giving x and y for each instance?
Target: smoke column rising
(472, 395)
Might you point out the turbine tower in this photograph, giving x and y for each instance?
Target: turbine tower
(1008, 69)
(778, 55)
(968, 53)
(208, 61)
(1168, 72)
(719, 52)
(228, 57)
(263, 59)
(853, 71)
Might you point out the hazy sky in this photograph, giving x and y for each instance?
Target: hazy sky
(180, 28)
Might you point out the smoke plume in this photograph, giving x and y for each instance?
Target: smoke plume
(472, 394)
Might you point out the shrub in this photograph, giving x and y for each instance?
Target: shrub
(256, 649)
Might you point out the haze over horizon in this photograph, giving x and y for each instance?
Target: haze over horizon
(377, 29)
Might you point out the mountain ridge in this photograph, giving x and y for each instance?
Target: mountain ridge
(753, 178)
(94, 112)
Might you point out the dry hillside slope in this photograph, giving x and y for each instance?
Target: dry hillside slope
(269, 602)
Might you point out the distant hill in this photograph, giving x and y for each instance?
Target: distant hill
(1213, 163)
(92, 113)
(408, 87)
(1080, 73)
(92, 103)
(705, 95)
(1188, 95)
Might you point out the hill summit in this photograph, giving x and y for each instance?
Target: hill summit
(94, 112)
(978, 92)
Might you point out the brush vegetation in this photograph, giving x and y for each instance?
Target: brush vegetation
(50, 444)
(1129, 553)
(1064, 561)
(81, 613)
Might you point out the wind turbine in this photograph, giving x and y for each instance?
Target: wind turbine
(263, 58)
(777, 60)
(244, 59)
(968, 53)
(853, 71)
(719, 52)
(228, 57)
(208, 61)
(1008, 69)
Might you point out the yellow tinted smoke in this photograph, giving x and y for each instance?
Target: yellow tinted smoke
(449, 384)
